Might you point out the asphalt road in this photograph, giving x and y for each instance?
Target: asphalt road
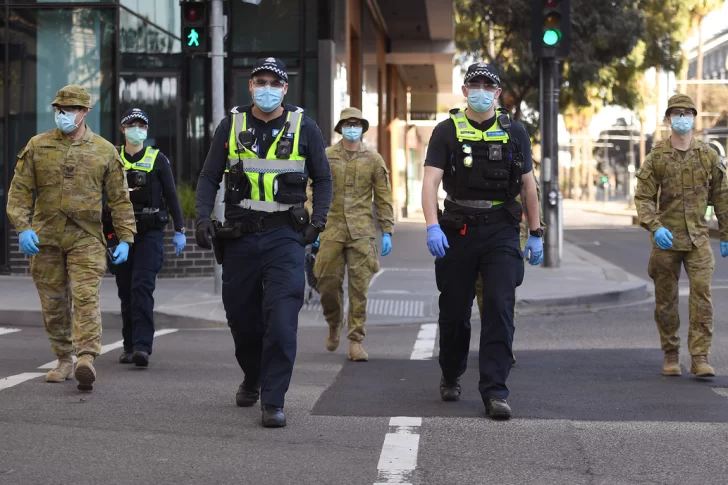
(590, 407)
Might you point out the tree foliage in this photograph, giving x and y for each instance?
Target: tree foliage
(613, 43)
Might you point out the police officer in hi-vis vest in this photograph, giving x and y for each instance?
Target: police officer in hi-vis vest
(483, 159)
(154, 197)
(266, 153)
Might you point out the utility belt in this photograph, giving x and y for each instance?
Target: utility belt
(150, 218)
(511, 212)
(297, 218)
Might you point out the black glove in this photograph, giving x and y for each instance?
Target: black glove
(310, 234)
(204, 233)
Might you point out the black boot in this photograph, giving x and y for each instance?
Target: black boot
(497, 408)
(140, 358)
(247, 394)
(273, 417)
(450, 389)
(125, 358)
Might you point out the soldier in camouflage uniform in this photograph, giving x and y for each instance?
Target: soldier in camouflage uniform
(68, 169)
(524, 238)
(674, 186)
(348, 240)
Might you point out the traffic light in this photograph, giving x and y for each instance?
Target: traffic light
(604, 179)
(551, 28)
(194, 27)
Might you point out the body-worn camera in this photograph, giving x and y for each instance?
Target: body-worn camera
(285, 145)
(135, 178)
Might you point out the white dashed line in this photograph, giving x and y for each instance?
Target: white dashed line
(398, 459)
(721, 391)
(18, 379)
(6, 330)
(109, 347)
(425, 343)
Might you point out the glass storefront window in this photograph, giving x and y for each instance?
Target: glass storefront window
(270, 26)
(53, 48)
(144, 46)
(163, 13)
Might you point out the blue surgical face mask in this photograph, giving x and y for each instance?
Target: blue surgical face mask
(480, 100)
(135, 135)
(66, 122)
(352, 133)
(681, 124)
(267, 98)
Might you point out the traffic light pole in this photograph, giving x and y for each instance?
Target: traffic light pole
(551, 198)
(218, 105)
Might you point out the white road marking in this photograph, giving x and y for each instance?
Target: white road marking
(721, 391)
(425, 343)
(109, 347)
(398, 459)
(6, 330)
(393, 308)
(17, 379)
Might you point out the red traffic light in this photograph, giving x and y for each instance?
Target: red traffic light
(551, 3)
(192, 14)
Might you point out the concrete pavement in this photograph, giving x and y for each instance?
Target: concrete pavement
(403, 291)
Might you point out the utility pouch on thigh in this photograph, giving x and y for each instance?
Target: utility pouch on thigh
(451, 222)
(299, 218)
(515, 210)
(228, 232)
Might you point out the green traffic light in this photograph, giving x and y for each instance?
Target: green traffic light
(193, 38)
(604, 180)
(551, 37)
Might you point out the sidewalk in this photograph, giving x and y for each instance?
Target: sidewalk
(402, 292)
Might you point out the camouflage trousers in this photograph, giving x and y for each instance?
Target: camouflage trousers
(479, 281)
(664, 269)
(360, 257)
(68, 279)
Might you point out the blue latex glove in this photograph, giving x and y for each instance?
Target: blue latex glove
(317, 242)
(436, 241)
(26, 240)
(663, 238)
(179, 241)
(121, 253)
(386, 244)
(724, 249)
(534, 250)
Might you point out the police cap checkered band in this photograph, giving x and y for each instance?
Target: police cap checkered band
(481, 69)
(134, 114)
(276, 66)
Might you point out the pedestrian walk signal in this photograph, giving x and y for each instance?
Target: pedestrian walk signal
(194, 27)
(551, 28)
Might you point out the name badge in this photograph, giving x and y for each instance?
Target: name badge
(495, 133)
(144, 165)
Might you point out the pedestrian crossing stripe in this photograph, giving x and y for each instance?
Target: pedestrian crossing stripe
(6, 330)
(391, 308)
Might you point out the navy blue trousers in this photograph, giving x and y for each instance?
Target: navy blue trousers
(494, 251)
(262, 291)
(136, 280)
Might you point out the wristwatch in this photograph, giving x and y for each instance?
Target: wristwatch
(320, 226)
(537, 233)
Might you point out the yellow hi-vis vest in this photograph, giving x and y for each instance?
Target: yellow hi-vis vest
(145, 164)
(262, 172)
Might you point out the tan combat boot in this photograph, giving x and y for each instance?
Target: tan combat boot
(700, 366)
(357, 353)
(62, 371)
(85, 373)
(671, 364)
(332, 339)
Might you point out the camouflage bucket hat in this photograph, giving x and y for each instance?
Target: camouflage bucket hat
(350, 114)
(680, 101)
(72, 95)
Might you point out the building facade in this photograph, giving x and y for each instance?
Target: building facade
(388, 57)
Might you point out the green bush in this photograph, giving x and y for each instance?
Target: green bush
(186, 194)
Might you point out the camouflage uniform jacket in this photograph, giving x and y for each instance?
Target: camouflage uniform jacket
(69, 178)
(356, 180)
(674, 193)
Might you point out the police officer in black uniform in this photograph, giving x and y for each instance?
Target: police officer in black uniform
(266, 153)
(154, 197)
(484, 160)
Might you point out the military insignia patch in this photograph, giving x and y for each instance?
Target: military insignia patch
(638, 172)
